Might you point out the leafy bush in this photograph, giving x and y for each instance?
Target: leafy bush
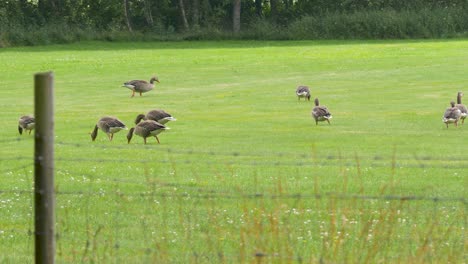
(360, 24)
(382, 24)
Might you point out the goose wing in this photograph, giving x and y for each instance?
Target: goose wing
(135, 83)
(452, 113)
(321, 111)
(158, 115)
(302, 90)
(26, 121)
(462, 108)
(149, 127)
(115, 123)
(110, 124)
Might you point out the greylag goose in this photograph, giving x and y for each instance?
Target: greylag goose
(462, 107)
(451, 115)
(141, 86)
(159, 116)
(320, 113)
(109, 125)
(303, 92)
(147, 128)
(26, 123)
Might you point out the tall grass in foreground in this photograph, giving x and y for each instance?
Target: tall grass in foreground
(149, 212)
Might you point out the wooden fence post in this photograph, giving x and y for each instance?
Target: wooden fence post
(44, 194)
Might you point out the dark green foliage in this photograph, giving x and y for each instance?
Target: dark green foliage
(382, 24)
(40, 22)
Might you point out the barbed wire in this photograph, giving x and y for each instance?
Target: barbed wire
(312, 155)
(292, 159)
(282, 160)
(211, 194)
(28, 165)
(10, 140)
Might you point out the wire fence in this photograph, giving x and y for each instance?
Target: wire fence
(279, 159)
(267, 158)
(145, 209)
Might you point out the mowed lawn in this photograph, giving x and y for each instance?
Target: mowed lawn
(244, 174)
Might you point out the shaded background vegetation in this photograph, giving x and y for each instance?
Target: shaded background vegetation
(33, 22)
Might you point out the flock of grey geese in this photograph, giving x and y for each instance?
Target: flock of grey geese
(319, 113)
(147, 125)
(153, 123)
(452, 115)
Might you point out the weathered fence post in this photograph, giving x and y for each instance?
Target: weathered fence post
(44, 195)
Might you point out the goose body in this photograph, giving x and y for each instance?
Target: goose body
(145, 129)
(109, 125)
(452, 115)
(303, 92)
(141, 86)
(461, 107)
(320, 113)
(27, 123)
(158, 115)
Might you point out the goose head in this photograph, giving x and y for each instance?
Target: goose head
(94, 133)
(154, 79)
(130, 135)
(316, 101)
(459, 96)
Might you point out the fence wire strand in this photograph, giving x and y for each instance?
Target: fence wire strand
(144, 191)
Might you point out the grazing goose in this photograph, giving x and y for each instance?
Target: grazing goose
(452, 115)
(320, 113)
(26, 122)
(303, 92)
(110, 126)
(159, 116)
(147, 128)
(141, 86)
(462, 107)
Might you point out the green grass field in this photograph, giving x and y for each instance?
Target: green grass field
(244, 175)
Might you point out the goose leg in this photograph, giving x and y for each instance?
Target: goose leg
(157, 139)
(111, 137)
(140, 93)
(144, 140)
(133, 94)
(30, 131)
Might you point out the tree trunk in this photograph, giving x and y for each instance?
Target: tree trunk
(48, 9)
(236, 13)
(127, 19)
(182, 14)
(274, 8)
(148, 13)
(258, 8)
(195, 13)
